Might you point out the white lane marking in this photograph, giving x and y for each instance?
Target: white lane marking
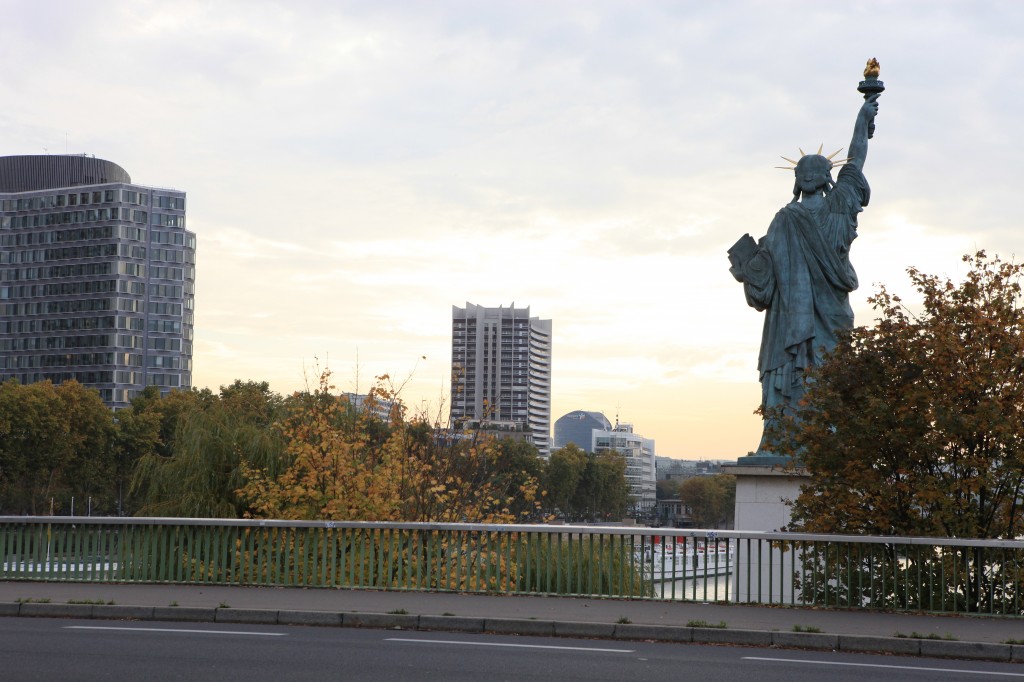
(516, 646)
(882, 665)
(201, 632)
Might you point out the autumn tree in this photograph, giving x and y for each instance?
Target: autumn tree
(336, 469)
(514, 464)
(915, 426)
(348, 464)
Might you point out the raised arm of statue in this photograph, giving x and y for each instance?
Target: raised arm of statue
(859, 143)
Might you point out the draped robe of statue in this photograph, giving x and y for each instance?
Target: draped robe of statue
(800, 274)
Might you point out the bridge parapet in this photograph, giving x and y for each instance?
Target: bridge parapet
(943, 575)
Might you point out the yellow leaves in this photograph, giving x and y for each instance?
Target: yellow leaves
(348, 465)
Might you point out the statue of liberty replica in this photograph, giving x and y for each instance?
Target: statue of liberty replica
(800, 273)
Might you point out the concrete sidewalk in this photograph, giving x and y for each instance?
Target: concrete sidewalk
(954, 636)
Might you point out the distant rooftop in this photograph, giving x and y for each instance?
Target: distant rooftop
(49, 171)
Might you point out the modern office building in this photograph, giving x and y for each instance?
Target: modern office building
(578, 428)
(640, 458)
(592, 432)
(97, 277)
(501, 370)
(378, 407)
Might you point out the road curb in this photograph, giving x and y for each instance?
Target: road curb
(874, 644)
(118, 612)
(255, 616)
(48, 610)
(451, 623)
(907, 646)
(402, 621)
(806, 640)
(188, 614)
(320, 618)
(659, 633)
(725, 636)
(519, 626)
(581, 629)
(982, 651)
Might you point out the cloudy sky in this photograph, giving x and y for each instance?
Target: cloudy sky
(354, 169)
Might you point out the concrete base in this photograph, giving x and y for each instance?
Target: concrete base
(764, 487)
(763, 492)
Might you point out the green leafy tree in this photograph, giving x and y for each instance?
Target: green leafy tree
(603, 492)
(710, 500)
(90, 468)
(137, 435)
(55, 445)
(563, 475)
(584, 485)
(666, 489)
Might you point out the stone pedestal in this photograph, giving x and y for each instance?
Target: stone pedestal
(763, 485)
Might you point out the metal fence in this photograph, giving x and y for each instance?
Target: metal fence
(903, 574)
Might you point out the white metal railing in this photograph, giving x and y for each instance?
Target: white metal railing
(798, 569)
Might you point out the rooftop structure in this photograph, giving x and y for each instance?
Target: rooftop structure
(577, 427)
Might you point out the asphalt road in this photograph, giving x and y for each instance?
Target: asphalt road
(59, 649)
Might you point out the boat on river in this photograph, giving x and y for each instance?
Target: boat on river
(687, 561)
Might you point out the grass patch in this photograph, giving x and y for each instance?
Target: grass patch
(931, 635)
(704, 624)
(581, 567)
(447, 613)
(173, 603)
(1013, 641)
(224, 605)
(624, 621)
(33, 600)
(97, 602)
(398, 612)
(805, 628)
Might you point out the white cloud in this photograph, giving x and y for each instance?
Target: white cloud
(354, 169)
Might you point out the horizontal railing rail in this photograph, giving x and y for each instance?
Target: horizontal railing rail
(798, 569)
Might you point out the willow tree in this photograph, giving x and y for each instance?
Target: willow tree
(196, 467)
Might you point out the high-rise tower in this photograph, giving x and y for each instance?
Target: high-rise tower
(97, 277)
(501, 369)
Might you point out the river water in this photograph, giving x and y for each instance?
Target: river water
(715, 588)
